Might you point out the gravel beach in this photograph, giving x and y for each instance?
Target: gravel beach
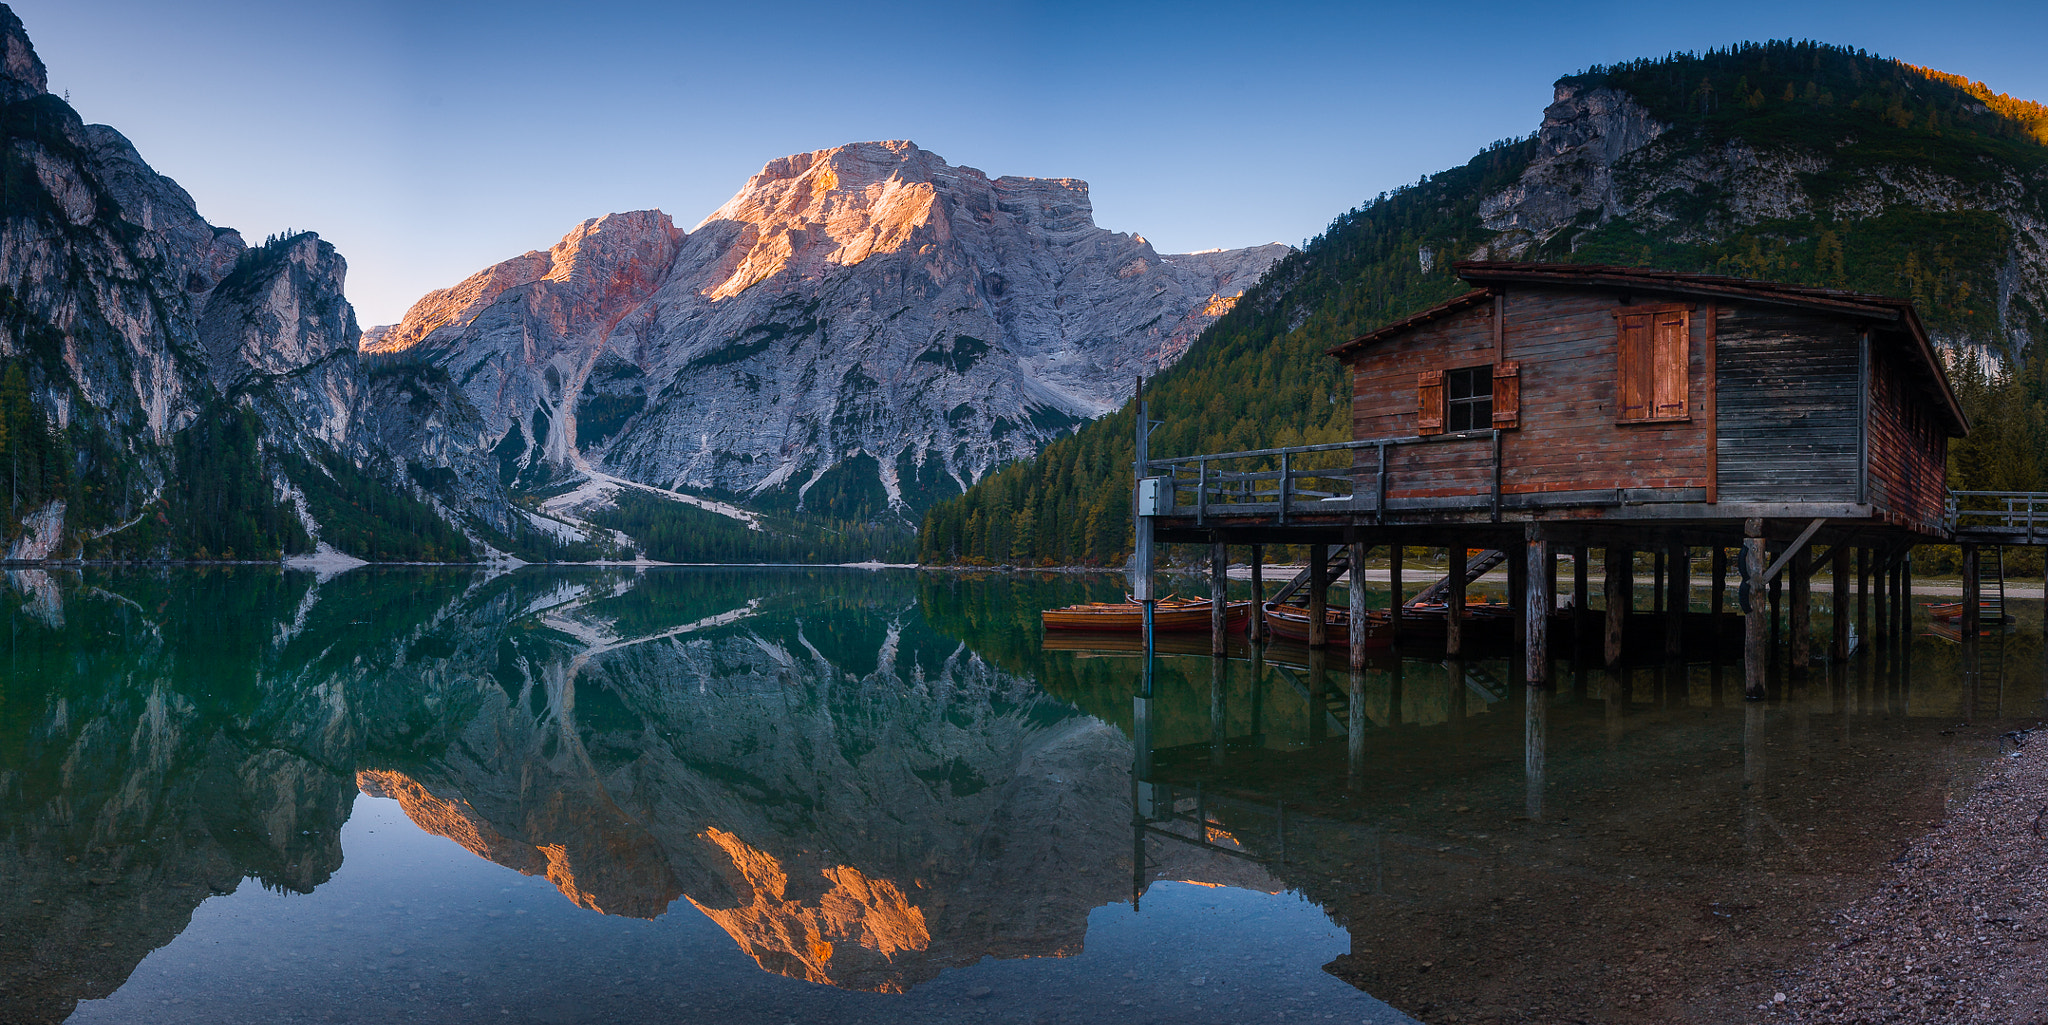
(1955, 934)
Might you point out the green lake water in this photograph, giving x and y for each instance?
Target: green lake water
(785, 795)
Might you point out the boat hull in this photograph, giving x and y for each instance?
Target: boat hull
(1292, 622)
(1124, 617)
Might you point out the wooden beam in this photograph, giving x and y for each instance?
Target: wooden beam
(1804, 536)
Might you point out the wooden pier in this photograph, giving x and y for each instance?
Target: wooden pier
(1770, 429)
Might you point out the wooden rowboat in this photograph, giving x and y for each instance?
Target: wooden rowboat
(1292, 622)
(1169, 615)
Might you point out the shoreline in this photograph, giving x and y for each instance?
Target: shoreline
(1955, 933)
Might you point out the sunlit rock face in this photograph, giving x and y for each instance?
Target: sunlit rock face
(133, 317)
(869, 306)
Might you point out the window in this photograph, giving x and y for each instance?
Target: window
(1652, 357)
(1468, 399)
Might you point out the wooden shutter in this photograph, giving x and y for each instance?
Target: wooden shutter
(1632, 366)
(1507, 395)
(1429, 387)
(1668, 367)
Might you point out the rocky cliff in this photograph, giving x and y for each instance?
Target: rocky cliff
(869, 309)
(145, 340)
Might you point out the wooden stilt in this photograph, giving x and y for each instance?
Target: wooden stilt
(1657, 582)
(1905, 593)
(1255, 625)
(1518, 597)
(1863, 594)
(1318, 595)
(1394, 593)
(1454, 607)
(1973, 595)
(1717, 602)
(1219, 596)
(1581, 600)
(1753, 636)
(1777, 592)
(1358, 621)
(1881, 572)
(1838, 560)
(1538, 580)
(1678, 595)
(1620, 598)
(1801, 630)
(1902, 619)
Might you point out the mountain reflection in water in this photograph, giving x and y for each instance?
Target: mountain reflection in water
(855, 798)
(867, 780)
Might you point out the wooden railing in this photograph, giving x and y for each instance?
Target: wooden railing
(1291, 481)
(2020, 517)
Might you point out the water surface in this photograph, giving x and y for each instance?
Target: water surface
(792, 795)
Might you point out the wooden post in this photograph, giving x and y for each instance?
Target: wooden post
(1219, 596)
(1881, 572)
(1580, 556)
(1318, 595)
(1394, 595)
(1536, 606)
(1753, 636)
(1255, 626)
(1863, 595)
(1802, 607)
(1717, 603)
(1838, 559)
(1219, 722)
(1657, 582)
(1620, 598)
(1357, 605)
(1905, 593)
(1518, 597)
(1678, 585)
(1777, 591)
(1973, 596)
(1902, 617)
(1454, 609)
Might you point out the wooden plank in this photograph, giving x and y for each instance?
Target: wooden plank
(1711, 408)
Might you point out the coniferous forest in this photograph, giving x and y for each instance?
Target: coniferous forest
(1258, 377)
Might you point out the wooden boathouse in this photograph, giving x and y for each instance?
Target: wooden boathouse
(1559, 408)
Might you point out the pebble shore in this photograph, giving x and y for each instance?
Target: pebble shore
(1955, 934)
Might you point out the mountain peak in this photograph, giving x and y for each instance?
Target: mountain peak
(22, 75)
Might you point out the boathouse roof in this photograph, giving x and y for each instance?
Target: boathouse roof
(1897, 315)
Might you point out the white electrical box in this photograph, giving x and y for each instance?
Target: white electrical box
(1153, 498)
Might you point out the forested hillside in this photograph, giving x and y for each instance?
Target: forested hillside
(1784, 161)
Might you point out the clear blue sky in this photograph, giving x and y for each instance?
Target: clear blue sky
(427, 140)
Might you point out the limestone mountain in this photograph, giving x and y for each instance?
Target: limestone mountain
(1795, 162)
(858, 330)
(168, 390)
